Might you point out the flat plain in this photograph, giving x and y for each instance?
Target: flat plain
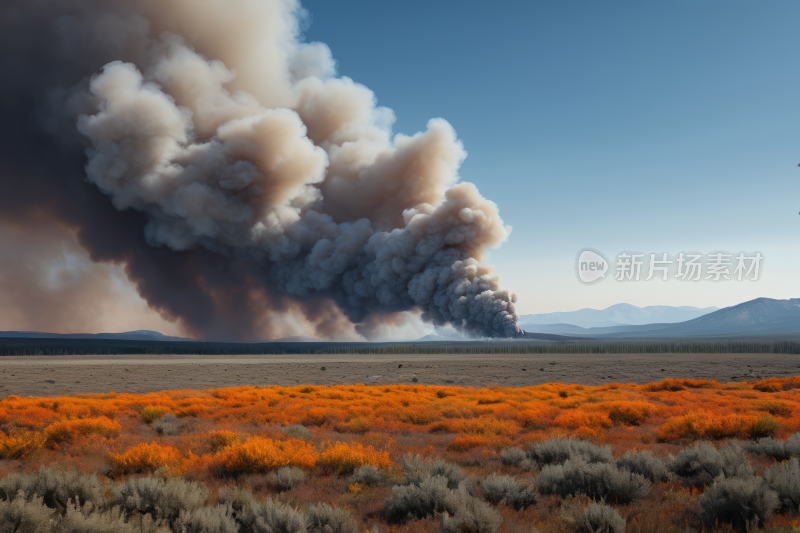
(453, 443)
(56, 375)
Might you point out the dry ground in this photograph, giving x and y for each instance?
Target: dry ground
(54, 375)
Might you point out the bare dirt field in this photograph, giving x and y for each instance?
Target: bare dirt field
(55, 375)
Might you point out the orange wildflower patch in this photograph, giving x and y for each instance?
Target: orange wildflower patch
(318, 416)
(630, 413)
(465, 444)
(344, 458)
(249, 437)
(538, 416)
(486, 426)
(144, 458)
(32, 416)
(20, 445)
(358, 424)
(258, 454)
(703, 425)
(574, 419)
(777, 384)
(667, 384)
(221, 439)
(69, 430)
(776, 408)
(151, 413)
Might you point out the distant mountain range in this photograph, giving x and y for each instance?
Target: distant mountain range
(618, 315)
(759, 318)
(762, 317)
(139, 335)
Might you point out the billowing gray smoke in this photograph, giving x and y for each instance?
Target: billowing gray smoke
(242, 172)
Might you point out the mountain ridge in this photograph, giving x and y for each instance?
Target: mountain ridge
(754, 318)
(137, 335)
(619, 315)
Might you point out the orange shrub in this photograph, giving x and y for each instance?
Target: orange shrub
(778, 384)
(488, 427)
(444, 426)
(765, 426)
(776, 408)
(464, 444)
(143, 458)
(377, 440)
(574, 419)
(691, 426)
(630, 413)
(703, 425)
(258, 454)
(221, 439)
(731, 426)
(488, 400)
(667, 385)
(69, 430)
(150, 414)
(344, 458)
(318, 416)
(33, 416)
(768, 386)
(359, 425)
(418, 417)
(194, 409)
(537, 418)
(700, 383)
(20, 445)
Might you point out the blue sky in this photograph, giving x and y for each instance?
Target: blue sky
(649, 126)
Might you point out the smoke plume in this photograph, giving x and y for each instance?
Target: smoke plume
(217, 157)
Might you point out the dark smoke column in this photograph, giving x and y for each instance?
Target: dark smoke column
(232, 150)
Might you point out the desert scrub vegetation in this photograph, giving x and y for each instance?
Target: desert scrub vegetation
(671, 456)
(287, 477)
(499, 489)
(558, 450)
(777, 449)
(368, 475)
(599, 518)
(152, 505)
(167, 425)
(784, 479)
(459, 510)
(598, 481)
(702, 462)
(417, 469)
(645, 464)
(744, 502)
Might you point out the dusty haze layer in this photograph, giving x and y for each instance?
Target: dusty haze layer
(56, 375)
(218, 158)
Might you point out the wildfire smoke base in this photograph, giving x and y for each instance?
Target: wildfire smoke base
(219, 158)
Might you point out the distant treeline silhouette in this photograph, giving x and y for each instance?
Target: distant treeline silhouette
(55, 347)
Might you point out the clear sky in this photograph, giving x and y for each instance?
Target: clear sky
(623, 125)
